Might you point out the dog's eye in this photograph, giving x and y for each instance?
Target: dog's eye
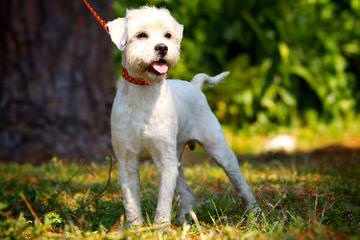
(168, 35)
(142, 35)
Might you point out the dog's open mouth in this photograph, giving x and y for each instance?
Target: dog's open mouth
(159, 67)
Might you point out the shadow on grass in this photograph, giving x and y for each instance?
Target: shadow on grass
(321, 185)
(76, 203)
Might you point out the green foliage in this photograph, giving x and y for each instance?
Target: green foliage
(289, 60)
(54, 220)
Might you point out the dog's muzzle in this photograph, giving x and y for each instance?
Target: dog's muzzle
(161, 49)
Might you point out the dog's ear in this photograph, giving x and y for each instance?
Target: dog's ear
(180, 30)
(117, 30)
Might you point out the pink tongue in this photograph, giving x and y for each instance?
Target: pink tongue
(160, 67)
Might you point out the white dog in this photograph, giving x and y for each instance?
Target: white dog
(154, 118)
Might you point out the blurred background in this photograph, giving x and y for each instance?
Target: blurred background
(295, 69)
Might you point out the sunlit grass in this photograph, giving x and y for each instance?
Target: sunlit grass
(311, 196)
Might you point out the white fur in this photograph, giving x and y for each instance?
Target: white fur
(117, 30)
(200, 78)
(156, 121)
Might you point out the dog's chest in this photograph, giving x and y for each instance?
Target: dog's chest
(142, 118)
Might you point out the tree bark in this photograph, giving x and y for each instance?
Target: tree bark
(56, 80)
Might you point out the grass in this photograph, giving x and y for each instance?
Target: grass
(307, 195)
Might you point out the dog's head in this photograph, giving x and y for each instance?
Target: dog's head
(150, 40)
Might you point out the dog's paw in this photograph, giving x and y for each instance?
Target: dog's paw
(183, 218)
(253, 213)
(256, 211)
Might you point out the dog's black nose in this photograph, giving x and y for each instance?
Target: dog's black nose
(161, 48)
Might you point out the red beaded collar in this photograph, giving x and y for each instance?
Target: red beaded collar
(137, 81)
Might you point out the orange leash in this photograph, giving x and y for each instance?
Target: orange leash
(96, 16)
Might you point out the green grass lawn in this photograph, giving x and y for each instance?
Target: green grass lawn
(308, 195)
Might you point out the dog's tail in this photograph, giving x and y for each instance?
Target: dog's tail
(200, 78)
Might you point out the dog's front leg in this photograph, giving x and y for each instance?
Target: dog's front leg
(168, 171)
(130, 188)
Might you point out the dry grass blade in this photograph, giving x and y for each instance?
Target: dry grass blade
(30, 208)
(194, 217)
(100, 193)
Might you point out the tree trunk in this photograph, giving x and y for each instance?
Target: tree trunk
(56, 80)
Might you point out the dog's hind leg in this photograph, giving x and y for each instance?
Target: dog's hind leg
(186, 195)
(210, 135)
